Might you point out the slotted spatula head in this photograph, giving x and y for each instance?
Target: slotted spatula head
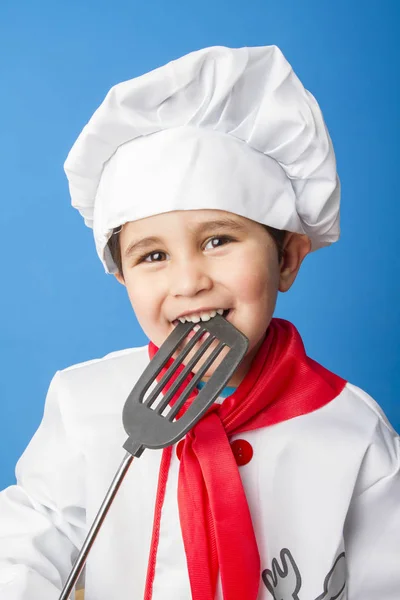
(149, 421)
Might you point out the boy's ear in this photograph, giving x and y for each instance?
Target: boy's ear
(119, 278)
(295, 249)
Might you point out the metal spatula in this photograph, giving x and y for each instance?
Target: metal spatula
(150, 422)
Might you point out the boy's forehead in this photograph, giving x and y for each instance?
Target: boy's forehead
(189, 220)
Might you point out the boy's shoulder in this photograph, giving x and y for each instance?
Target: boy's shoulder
(362, 426)
(111, 359)
(367, 410)
(101, 383)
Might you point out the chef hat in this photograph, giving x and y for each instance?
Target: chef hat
(220, 128)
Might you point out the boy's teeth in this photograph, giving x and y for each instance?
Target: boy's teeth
(211, 314)
(208, 316)
(204, 316)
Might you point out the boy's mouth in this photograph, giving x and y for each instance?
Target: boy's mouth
(192, 332)
(197, 318)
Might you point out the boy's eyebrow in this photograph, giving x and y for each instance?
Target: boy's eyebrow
(200, 228)
(220, 224)
(141, 245)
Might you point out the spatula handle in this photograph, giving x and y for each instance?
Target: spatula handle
(133, 448)
(97, 523)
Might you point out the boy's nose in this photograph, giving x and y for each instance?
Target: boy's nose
(189, 278)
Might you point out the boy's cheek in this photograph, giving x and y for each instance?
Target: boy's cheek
(147, 310)
(254, 282)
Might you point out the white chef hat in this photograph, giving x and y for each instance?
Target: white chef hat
(220, 128)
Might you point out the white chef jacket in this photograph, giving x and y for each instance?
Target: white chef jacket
(323, 491)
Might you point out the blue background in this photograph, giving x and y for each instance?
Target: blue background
(58, 60)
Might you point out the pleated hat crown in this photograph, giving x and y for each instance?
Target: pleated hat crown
(220, 128)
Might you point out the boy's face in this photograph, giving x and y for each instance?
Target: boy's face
(197, 260)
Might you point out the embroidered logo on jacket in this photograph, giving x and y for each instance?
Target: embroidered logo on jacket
(283, 581)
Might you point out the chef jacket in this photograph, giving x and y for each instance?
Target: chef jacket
(323, 491)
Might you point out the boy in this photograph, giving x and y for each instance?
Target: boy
(206, 183)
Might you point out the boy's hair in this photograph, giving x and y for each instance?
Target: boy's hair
(114, 245)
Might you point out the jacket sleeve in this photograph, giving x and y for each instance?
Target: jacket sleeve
(42, 517)
(372, 532)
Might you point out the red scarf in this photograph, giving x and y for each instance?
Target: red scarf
(282, 383)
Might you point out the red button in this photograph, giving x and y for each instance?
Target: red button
(179, 449)
(242, 451)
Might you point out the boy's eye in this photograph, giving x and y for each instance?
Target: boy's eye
(222, 238)
(157, 257)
